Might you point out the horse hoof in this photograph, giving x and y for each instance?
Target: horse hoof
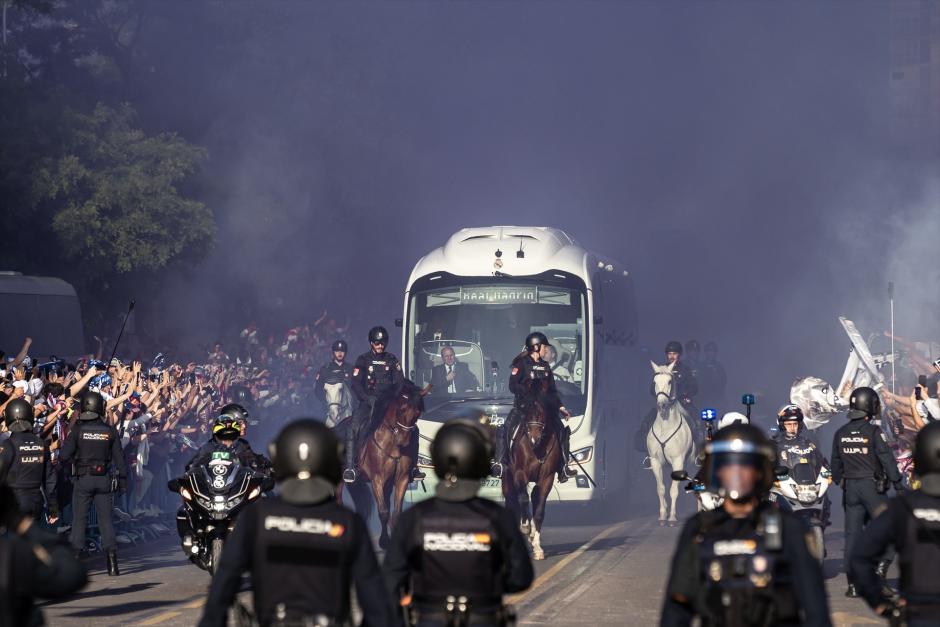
(672, 523)
(662, 523)
(538, 556)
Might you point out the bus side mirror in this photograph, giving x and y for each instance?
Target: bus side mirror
(399, 322)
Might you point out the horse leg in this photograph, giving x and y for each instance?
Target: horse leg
(525, 509)
(676, 464)
(539, 498)
(402, 479)
(656, 465)
(380, 488)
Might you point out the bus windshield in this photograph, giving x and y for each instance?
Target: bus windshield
(462, 338)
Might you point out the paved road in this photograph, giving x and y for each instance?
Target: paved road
(600, 572)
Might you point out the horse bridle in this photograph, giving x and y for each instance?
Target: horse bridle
(671, 397)
(541, 435)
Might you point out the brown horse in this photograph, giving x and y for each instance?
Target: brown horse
(533, 458)
(387, 456)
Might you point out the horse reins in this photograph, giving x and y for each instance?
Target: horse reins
(394, 431)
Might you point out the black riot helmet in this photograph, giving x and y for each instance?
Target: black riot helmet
(927, 450)
(461, 453)
(378, 334)
(307, 461)
(673, 347)
(239, 396)
(18, 415)
(742, 444)
(864, 402)
(535, 340)
(92, 403)
(340, 345)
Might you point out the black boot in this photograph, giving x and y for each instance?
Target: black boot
(851, 592)
(349, 474)
(112, 564)
(564, 472)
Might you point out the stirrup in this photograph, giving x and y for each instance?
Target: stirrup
(349, 475)
(417, 474)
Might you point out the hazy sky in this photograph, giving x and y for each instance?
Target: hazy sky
(735, 156)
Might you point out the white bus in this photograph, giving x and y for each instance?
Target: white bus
(481, 294)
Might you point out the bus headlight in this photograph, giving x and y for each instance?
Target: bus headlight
(583, 455)
(425, 461)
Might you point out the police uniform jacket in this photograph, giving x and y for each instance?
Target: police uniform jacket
(376, 375)
(531, 380)
(303, 558)
(469, 548)
(793, 451)
(719, 554)
(911, 524)
(332, 372)
(860, 451)
(25, 463)
(91, 446)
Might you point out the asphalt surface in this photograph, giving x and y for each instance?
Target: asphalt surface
(600, 569)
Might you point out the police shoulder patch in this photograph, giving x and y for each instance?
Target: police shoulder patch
(515, 370)
(355, 372)
(397, 366)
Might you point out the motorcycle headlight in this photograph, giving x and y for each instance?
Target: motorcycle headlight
(254, 493)
(186, 494)
(807, 494)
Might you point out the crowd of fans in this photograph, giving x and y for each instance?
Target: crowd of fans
(164, 409)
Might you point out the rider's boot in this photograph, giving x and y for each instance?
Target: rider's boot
(417, 474)
(349, 474)
(496, 464)
(113, 564)
(564, 472)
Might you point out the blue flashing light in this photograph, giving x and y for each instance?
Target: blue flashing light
(708, 414)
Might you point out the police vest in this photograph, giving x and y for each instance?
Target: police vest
(857, 449)
(460, 556)
(380, 372)
(920, 573)
(745, 582)
(94, 448)
(303, 559)
(27, 469)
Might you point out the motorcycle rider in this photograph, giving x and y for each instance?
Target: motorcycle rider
(531, 381)
(747, 562)
(456, 554)
(861, 465)
(911, 524)
(226, 437)
(25, 465)
(376, 376)
(337, 369)
(792, 444)
(94, 446)
(303, 550)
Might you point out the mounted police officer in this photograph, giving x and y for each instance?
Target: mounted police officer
(911, 524)
(747, 562)
(303, 549)
(93, 447)
(25, 465)
(531, 381)
(227, 429)
(685, 387)
(335, 370)
(456, 554)
(376, 376)
(862, 464)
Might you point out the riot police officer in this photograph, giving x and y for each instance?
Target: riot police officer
(531, 381)
(33, 564)
(335, 370)
(25, 465)
(456, 554)
(376, 376)
(862, 464)
(747, 562)
(93, 447)
(303, 549)
(911, 524)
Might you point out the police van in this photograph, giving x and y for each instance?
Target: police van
(479, 295)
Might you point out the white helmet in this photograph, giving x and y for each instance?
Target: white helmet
(732, 417)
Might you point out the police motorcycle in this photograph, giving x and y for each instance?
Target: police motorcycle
(803, 487)
(707, 499)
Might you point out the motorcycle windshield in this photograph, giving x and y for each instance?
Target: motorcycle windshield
(804, 474)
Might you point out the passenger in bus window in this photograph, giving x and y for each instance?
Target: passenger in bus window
(452, 376)
(558, 369)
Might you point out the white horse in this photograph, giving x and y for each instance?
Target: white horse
(338, 400)
(670, 438)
